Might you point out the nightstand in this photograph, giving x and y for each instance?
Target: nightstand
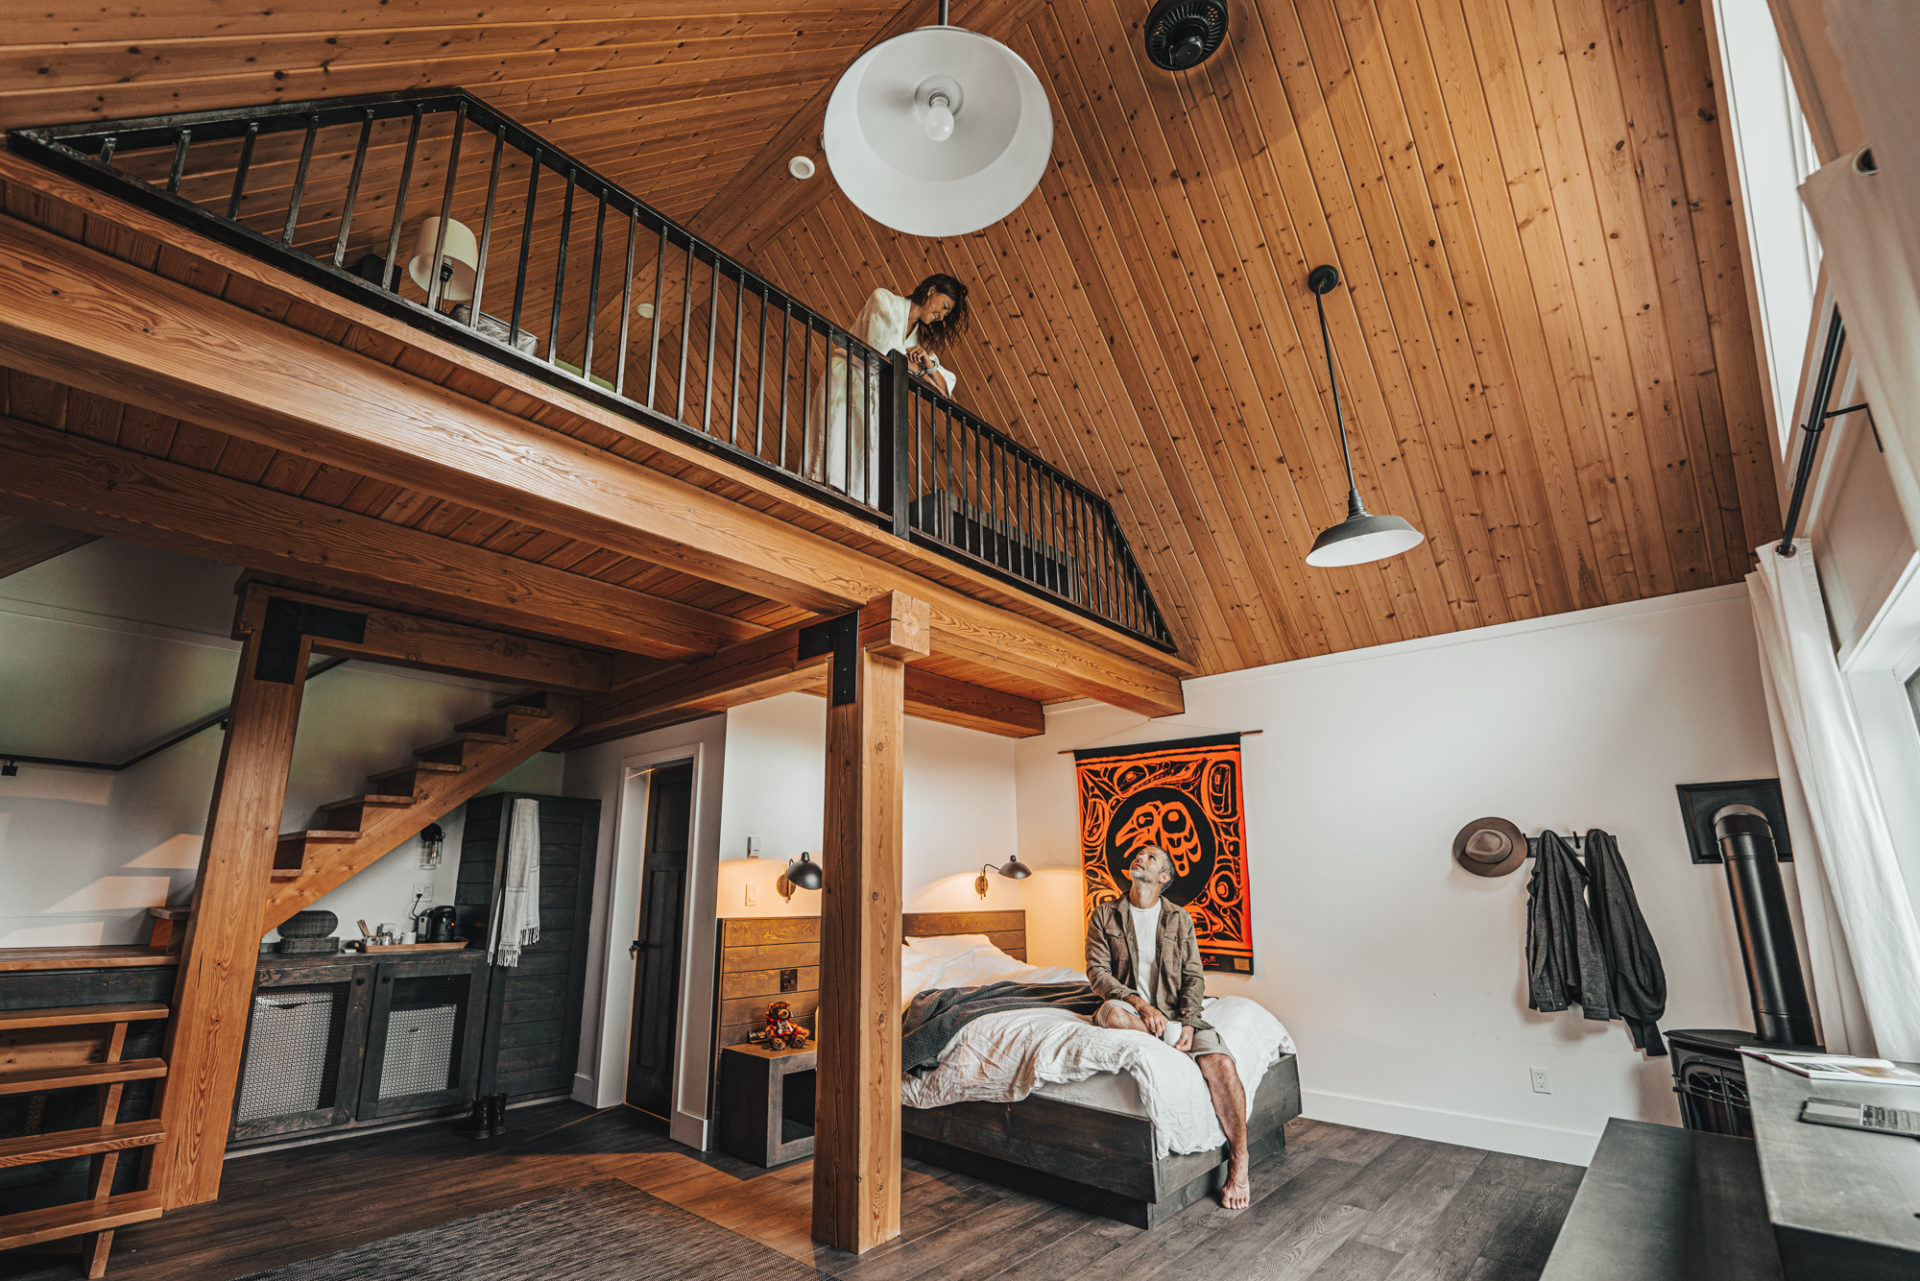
(766, 1103)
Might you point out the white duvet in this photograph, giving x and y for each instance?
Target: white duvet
(1002, 1058)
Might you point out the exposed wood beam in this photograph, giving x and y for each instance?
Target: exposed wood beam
(931, 696)
(856, 1155)
(90, 321)
(744, 673)
(25, 543)
(149, 500)
(409, 640)
(214, 989)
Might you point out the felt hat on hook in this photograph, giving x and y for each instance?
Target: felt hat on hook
(1490, 847)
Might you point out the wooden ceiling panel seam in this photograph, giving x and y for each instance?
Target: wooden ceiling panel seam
(1502, 84)
(1180, 386)
(1522, 414)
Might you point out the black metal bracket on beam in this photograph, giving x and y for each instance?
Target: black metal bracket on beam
(286, 622)
(839, 637)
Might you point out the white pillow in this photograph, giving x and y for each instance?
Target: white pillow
(948, 944)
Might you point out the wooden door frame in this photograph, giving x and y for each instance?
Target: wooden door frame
(703, 745)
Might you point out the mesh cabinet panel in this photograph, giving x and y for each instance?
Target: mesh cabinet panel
(293, 1051)
(419, 1054)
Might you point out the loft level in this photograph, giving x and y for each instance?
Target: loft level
(440, 211)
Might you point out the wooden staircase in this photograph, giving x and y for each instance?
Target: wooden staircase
(97, 1217)
(355, 831)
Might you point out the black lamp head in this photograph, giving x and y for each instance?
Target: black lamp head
(1182, 34)
(802, 873)
(1013, 869)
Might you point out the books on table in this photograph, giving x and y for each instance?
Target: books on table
(1838, 1067)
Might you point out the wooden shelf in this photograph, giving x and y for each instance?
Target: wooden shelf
(82, 958)
(56, 1221)
(34, 1080)
(32, 1149)
(81, 1015)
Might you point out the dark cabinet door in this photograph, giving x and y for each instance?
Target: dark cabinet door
(423, 1039)
(306, 1035)
(656, 952)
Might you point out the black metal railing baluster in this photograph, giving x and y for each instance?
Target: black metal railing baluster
(299, 180)
(486, 232)
(593, 285)
(659, 281)
(435, 268)
(240, 170)
(560, 271)
(713, 324)
(108, 146)
(739, 313)
(846, 444)
(526, 249)
(786, 328)
(760, 391)
(179, 167)
(353, 190)
(626, 304)
(806, 404)
(686, 333)
(400, 202)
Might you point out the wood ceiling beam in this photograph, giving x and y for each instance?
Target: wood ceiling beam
(26, 543)
(87, 320)
(109, 490)
(408, 640)
(745, 673)
(933, 697)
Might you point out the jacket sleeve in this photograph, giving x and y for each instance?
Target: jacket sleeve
(1100, 964)
(1190, 1008)
(882, 323)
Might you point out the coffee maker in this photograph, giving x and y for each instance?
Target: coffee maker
(436, 925)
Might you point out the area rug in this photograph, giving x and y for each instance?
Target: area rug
(606, 1231)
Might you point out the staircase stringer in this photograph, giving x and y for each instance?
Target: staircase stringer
(328, 867)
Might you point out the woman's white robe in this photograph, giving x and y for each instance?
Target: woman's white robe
(883, 326)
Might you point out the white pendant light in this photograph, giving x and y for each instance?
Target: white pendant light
(1362, 536)
(938, 131)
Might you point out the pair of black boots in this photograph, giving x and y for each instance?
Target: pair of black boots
(487, 1120)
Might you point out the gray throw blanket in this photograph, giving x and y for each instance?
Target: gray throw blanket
(936, 1016)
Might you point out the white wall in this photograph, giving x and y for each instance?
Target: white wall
(107, 649)
(1402, 977)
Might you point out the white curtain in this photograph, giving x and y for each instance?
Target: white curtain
(518, 924)
(1849, 876)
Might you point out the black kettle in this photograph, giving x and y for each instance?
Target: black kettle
(439, 925)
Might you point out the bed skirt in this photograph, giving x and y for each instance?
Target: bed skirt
(1089, 1158)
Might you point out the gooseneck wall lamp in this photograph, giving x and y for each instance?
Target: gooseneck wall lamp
(1013, 869)
(1362, 536)
(802, 873)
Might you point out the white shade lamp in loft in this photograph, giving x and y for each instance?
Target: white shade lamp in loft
(459, 256)
(938, 131)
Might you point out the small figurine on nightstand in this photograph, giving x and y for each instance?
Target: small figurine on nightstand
(782, 1033)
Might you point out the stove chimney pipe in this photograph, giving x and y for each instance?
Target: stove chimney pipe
(1782, 1014)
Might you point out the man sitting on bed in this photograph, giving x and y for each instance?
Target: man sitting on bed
(1144, 961)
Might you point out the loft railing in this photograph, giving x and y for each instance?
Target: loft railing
(435, 208)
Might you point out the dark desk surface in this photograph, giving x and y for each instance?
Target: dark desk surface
(1660, 1203)
(1843, 1201)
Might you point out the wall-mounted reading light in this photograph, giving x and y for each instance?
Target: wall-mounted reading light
(1013, 869)
(802, 873)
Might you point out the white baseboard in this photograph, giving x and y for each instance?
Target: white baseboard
(1574, 1147)
(688, 1129)
(587, 1090)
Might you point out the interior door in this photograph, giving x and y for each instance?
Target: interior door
(657, 950)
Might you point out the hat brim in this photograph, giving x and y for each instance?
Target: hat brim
(1516, 849)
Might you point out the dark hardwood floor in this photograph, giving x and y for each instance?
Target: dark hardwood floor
(1340, 1205)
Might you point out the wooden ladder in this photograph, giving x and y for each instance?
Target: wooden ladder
(96, 1218)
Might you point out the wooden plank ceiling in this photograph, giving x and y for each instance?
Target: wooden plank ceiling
(1544, 340)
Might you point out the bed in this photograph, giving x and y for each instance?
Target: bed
(1084, 1130)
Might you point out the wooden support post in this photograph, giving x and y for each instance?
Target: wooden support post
(856, 1154)
(214, 992)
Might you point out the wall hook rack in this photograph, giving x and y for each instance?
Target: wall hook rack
(1574, 840)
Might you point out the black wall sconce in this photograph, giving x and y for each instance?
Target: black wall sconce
(1013, 869)
(802, 873)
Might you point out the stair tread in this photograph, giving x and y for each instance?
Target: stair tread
(370, 798)
(530, 701)
(460, 740)
(493, 717)
(50, 1223)
(33, 1080)
(81, 1015)
(30, 1149)
(322, 834)
(421, 767)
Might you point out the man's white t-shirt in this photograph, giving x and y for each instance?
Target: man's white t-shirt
(1146, 935)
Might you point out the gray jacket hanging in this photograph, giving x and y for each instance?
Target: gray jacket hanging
(1588, 944)
(1638, 980)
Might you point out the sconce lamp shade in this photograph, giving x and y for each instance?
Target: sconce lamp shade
(802, 873)
(459, 259)
(938, 132)
(1013, 869)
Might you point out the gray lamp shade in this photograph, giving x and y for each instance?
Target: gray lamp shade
(1362, 537)
(805, 873)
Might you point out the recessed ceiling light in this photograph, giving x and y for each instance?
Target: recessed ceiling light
(800, 167)
(644, 310)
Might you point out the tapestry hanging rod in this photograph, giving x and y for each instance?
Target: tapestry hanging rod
(1069, 751)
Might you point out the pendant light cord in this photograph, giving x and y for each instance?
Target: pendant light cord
(1339, 420)
(943, 12)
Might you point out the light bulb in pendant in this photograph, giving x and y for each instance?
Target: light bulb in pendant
(939, 118)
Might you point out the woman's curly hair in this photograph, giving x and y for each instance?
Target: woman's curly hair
(938, 335)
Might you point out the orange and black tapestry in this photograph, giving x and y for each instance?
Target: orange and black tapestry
(1184, 797)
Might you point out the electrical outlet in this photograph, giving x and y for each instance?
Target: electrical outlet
(1541, 1083)
(753, 896)
(424, 889)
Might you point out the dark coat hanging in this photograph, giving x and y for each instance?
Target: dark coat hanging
(1588, 944)
(1638, 980)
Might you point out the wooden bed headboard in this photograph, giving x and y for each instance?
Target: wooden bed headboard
(755, 950)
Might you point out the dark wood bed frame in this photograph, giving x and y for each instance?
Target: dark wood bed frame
(1081, 1156)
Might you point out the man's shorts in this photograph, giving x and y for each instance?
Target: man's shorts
(1206, 1041)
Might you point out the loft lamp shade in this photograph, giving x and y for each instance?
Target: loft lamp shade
(459, 256)
(1013, 869)
(802, 873)
(1362, 536)
(939, 131)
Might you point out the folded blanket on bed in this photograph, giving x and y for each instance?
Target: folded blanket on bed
(937, 1015)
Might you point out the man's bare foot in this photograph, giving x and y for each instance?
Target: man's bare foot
(1239, 1192)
